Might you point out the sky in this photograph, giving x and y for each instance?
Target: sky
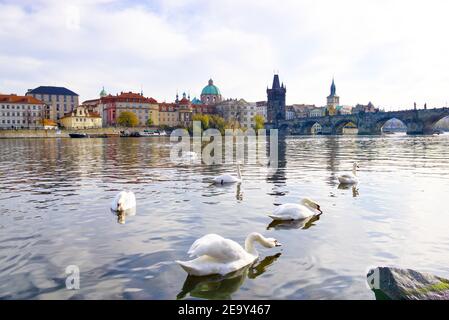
(390, 52)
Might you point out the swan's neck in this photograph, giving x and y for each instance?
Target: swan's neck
(250, 241)
(239, 175)
(354, 170)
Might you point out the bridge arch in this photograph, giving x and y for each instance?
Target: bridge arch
(390, 124)
(311, 127)
(339, 126)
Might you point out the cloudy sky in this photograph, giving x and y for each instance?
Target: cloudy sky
(390, 52)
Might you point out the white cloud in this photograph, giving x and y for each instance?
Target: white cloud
(391, 52)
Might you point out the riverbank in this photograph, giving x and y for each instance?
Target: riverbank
(30, 133)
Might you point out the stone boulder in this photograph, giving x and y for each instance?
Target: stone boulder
(406, 284)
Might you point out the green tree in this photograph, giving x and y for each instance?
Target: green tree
(150, 122)
(128, 119)
(203, 118)
(260, 122)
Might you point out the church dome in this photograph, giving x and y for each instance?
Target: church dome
(211, 89)
(103, 93)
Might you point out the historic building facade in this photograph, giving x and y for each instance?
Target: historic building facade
(211, 94)
(58, 100)
(276, 101)
(21, 111)
(239, 113)
(144, 108)
(81, 118)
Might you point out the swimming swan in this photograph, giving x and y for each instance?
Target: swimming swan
(296, 211)
(350, 178)
(217, 255)
(123, 201)
(227, 178)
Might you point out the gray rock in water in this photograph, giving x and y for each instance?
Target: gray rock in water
(406, 284)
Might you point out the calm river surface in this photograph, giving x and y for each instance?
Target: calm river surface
(54, 212)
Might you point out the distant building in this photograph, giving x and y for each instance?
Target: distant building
(333, 100)
(276, 101)
(168, 115)
(144, 108)
(240, 113)
(350, 129)
(317, 112)
(81, 118)
(261, 108)
(365, 108)
(302, 110)
(290, 113)
(21, 111)
(59, 100)
(342, 110)
(211, 94)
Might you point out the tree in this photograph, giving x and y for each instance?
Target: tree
(203, 118)
(150, 122)
(260, 122)
(128, 119)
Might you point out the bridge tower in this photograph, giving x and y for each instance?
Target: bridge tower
(276, 101)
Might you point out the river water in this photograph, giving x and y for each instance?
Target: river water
(56, 193)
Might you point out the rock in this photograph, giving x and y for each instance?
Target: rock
(406, 284)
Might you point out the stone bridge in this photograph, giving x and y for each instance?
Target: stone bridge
(417, 121)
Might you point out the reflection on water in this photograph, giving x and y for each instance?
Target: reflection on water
(219, 287)
(353, 188)
(122, 215)
(294, 224)
(56, 194)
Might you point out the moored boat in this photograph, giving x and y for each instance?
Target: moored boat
(78, 135)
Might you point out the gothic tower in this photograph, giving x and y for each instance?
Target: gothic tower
(276, 101)
(333, 100)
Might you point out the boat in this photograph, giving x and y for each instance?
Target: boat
(152, 133)
(78, 135)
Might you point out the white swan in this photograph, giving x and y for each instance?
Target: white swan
(227, 178)
(217, 255)
(123, 201)
(296, 211)
(350, 178)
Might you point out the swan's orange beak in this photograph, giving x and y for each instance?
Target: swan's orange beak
(277, 243)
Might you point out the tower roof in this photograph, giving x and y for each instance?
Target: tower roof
(276, 83)
(333, 88)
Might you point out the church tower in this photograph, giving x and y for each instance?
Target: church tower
(276, 101)
(333, 100)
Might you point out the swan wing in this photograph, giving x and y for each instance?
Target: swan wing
(217, 247)
(291, 211)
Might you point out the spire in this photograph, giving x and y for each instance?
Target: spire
(211, 82)
(276, 84)
(333, 88)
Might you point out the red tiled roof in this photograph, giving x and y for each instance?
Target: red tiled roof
(13, 98)
(184, 101)
(128, 97)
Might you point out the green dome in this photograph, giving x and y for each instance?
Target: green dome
(103, 93)
(211, 89)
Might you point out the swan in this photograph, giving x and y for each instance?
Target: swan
(123, 201)
(227, 178)
(217, 255)
(350, 178)
(296, 211)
